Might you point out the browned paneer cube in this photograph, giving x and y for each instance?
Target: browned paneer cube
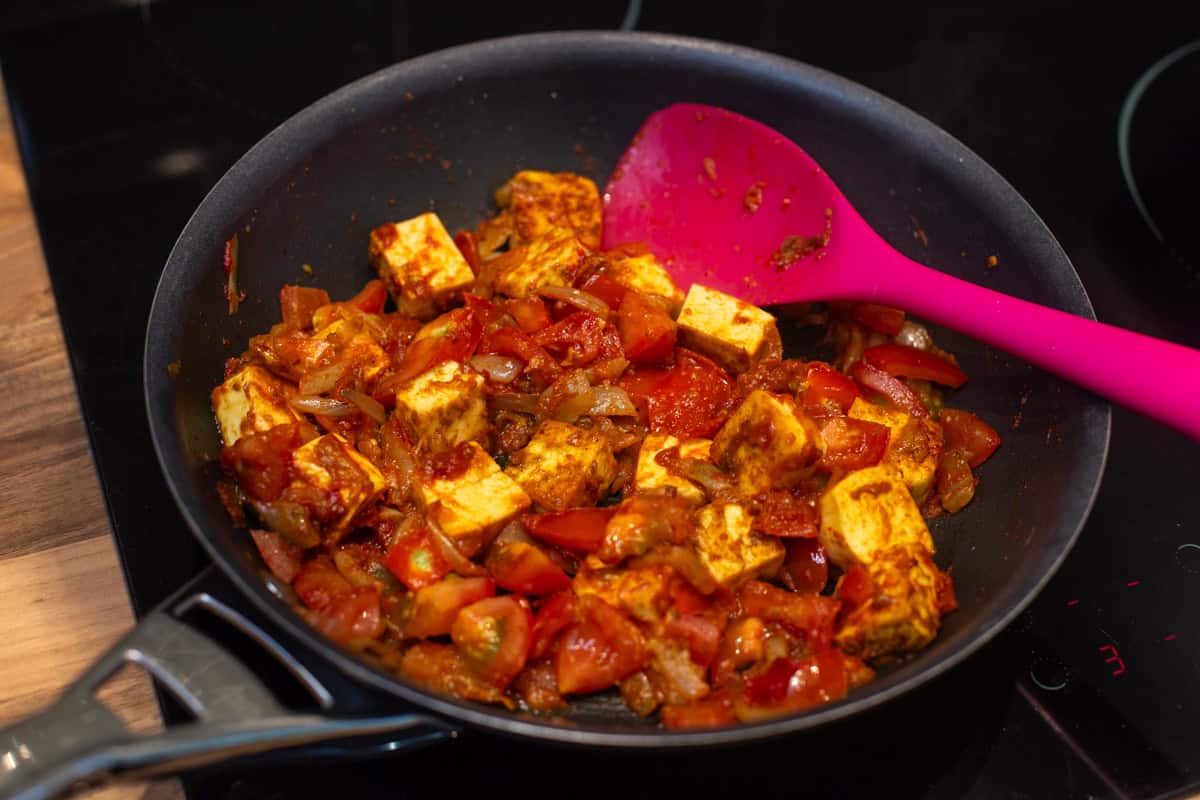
(475, 503)
(653, 477)
(643, 273)
(444, 407)
(542, 202)
(869, 511)
(902, 615)
(421, 265)
(252, 400)
(729, 549)
(564, 466)
(730, 332)
(551, 260)
(914, 444)
(768, 443)
(330, 464)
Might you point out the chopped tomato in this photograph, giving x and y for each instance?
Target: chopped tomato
(580, 530)
(442, 668)
(702, 635)
(297, 304)
(262, 462)
(371, 298)
(714, 711)
(829, 392)
(598, 651)
(647, 331)
(810, 615)
(946, 598)
(894, 389)
(852, 443)
(966, 432)
(524, 568)
(692, 399)
(788, 685)
(538, 687)
(434, 607)
(470, 253)
(281, 556)
(338, 609)
(902, 361)
(555, 614)
(451, 337)
(493, 636)
(884, 319)
(955, 482)
(856, 587)
(576, 341)
(416, 560)
(641, 522)
(783, 514)
(600, 285)
(743, 644)
(511, 342)
(805, 569)
(529, 312)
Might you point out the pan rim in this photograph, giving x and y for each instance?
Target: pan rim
(256, 162)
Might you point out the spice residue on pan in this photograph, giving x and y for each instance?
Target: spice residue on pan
(754, 196)
(919, 233)
(992, 261)
(233, 295)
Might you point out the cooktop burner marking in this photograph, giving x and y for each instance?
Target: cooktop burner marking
(1115, 658)
(1131, 584)
(1188, 557)
(1072, 602)
(1170, 637)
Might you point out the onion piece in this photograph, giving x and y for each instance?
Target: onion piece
(575, 406)
(368, 405)
(612, 401)
(322, 380)
(498, 369)
(454, 557)
(325, 406)
(574, 297)
(914, 335)
(515, 401)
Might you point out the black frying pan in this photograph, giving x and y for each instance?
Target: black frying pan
(443, 131)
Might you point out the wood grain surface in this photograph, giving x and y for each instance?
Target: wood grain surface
(62, 594)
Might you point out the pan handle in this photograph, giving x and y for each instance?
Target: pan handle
(79, 743)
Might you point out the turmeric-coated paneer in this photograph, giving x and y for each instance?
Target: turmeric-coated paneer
(651, 476)
(902, 615)
(768, 443)
(421, 265)
(729, 549)
(642, 592)
(541, 202)
(354, 347)
(730, 332)
(643, 273)
(472, 505)
(444, 407)
(867, 512)
(251, 400)
(330, 464)
(914, 446)
(552, 260)
(564, 466)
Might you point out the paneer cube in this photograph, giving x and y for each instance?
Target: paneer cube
(643, 273)
(541, 202)
(914, 447)
(902, 615)
(768, 443)
(551, 260)
(730, 332)
(652, 477)
(353, 347)
(421, 265)
(252, 400)
(472, 506)
(729, 549)
(564, 466)
(444, 406)
(330, 464)
(867, 512)
(642, 592)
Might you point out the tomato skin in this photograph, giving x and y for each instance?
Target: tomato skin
(810, 615)
(556, 613)
(784, 515)
(451, 337)
(690, 401)
(371, 298)
(701, 633)
(829, 392)
(514, 343)
(852, 444)
(805, 568)
(297, 304)
(895, 390)
(902, 361)
(856, 587)
(647, 331)
(580, 530)
(529, 312)
(336, 608)
(714, 711)
(470, 253)
(523, 568)
(789, 685)
(576, 341)
(435, 607)
(493, 636)
(884, 319)
(598, 651)
(966, 432)
(416, 560)
(600, 285)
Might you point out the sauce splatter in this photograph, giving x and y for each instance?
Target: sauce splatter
(754, 196)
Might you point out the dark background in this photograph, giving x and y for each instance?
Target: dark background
(127, 113)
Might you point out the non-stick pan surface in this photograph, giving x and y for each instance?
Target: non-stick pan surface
(443, 131)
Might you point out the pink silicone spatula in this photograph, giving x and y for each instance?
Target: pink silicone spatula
(715, 195)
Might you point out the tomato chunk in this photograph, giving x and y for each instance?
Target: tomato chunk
(598, 651)
(451, 337)
(692, 399)
(966, 432)
(713, 711)
(580, 530)
(903, 361)
(955, 481)
(555, 614)
(371, 298)
(336, 608)
(493, 636)
(788, 685)
(576, 341)
(856, 587)
(783, 514)
(810, 615)
(702, 635)
(805, 568)
(416, 560)
(604, 287)
(884, 319)
(524, 568)
(466, 245)
(647, 331)
(281, 556)
(297, 304)
(829, 392)
(511, 342)
(529, 312)
(262, 462)
(435, 607)
(894, 389)
(852, 443)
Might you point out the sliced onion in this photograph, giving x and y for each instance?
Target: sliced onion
(575, 406)
(326, 406)
(454, 557)
(498, 369)
(612, 401)
(574, 297)
(368, 405)
(516, 401)
(323, 380)
(914, 335)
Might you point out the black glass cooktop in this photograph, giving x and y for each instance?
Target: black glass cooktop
(128, 113)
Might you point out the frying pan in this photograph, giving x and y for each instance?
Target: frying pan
(442, 132)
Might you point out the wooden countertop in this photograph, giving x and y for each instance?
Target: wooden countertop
(63, 597)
